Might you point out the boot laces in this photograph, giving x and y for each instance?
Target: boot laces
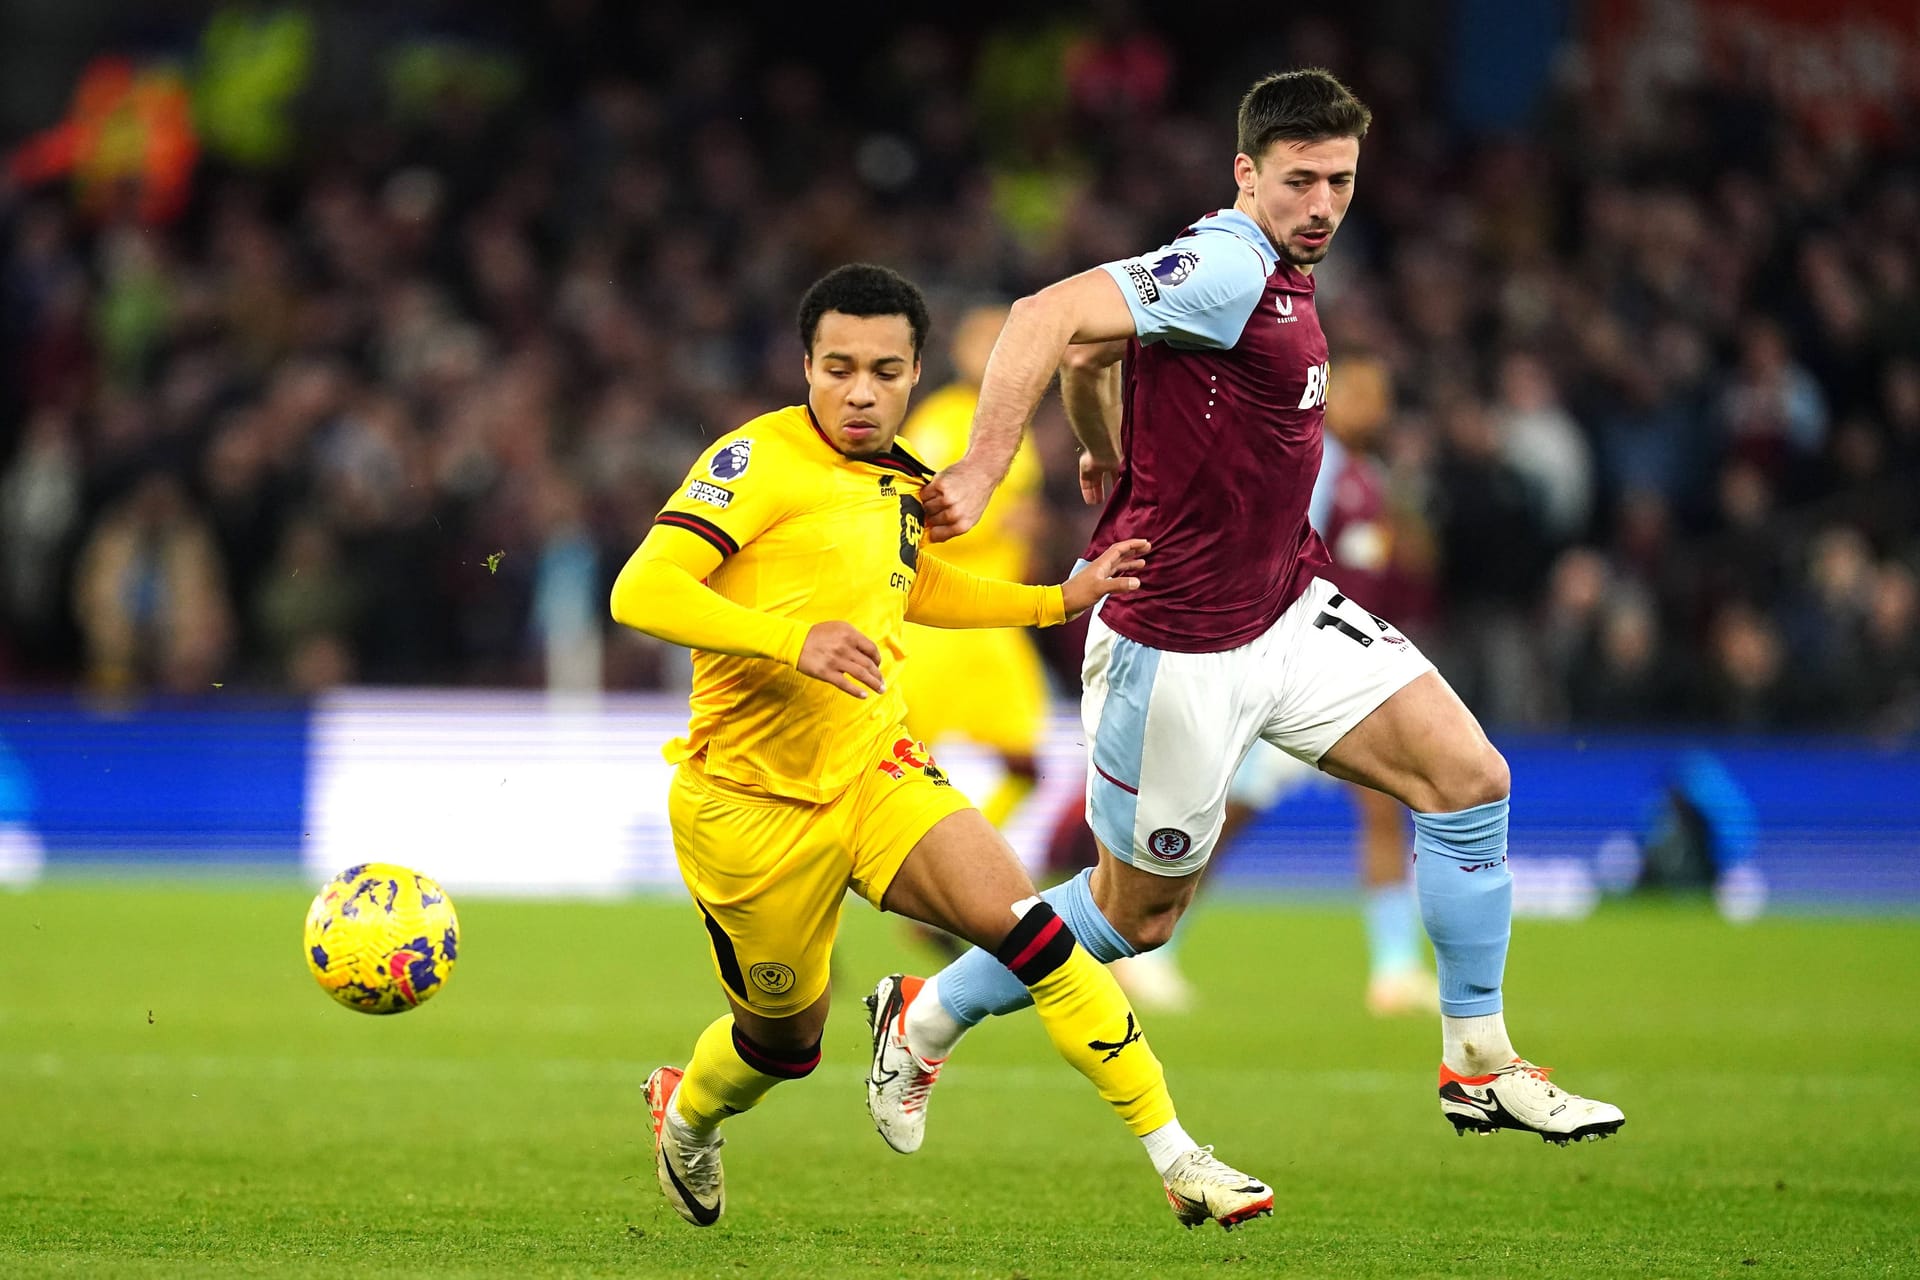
(1207, 1167)
(702, 1162)
(919, 1083)
(1522, 1067)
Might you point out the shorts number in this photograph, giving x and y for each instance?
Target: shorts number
(1345, 628)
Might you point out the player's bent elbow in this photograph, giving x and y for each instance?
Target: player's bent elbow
(627, 614)
(1048, 313)
(1025, 307)
(1089, 359)
(632, 598)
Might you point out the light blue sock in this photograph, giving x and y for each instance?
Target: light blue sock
(1466, 902)
(977, 986)
(1392, 913)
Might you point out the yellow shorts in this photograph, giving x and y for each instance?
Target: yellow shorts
(768, 873)
(984, 686)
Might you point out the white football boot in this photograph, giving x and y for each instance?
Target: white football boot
(690, 1174)
(1200, 1187)
(1519, 1096)
(899, 1081)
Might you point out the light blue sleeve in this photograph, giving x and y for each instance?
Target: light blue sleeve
(1198, 291)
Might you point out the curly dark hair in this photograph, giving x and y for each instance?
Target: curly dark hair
(863, 289)
(1308, 105)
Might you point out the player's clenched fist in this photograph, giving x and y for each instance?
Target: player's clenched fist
(1111, 571)
(954, 499)
(837, 653)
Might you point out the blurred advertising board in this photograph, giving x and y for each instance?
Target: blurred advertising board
(521, 793)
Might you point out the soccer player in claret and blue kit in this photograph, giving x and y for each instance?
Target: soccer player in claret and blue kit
(1235, 636)
(790, 562)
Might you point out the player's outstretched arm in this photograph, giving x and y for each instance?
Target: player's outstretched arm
(1083, 308)
(1110, 573)
(947, 596)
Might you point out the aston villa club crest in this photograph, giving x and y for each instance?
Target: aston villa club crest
(1169, 844)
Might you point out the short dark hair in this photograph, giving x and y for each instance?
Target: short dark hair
(1308, 105)
(863, 289)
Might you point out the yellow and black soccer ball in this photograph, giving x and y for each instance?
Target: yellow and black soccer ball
(382, 938)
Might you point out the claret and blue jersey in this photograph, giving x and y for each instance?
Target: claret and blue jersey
(1222, 455)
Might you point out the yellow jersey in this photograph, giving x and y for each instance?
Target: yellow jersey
(995, 547)
(786, 532)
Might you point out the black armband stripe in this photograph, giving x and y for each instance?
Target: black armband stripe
(722, 541)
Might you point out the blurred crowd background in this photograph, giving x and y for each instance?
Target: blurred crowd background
(360, 343)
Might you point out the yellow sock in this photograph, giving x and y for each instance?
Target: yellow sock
(729, 1074)
(1088, 1018)
(1007, 795)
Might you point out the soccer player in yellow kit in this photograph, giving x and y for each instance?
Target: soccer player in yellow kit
(790, 563)
(984, 685)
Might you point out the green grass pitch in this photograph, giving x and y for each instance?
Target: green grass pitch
(177, 1097)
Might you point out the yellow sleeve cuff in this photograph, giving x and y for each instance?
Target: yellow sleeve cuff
(1053, 606)
(796, 639)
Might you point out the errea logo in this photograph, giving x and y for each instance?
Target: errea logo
(1318, 375)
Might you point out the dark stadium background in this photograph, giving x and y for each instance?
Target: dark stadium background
(348, 347)
(354, 356)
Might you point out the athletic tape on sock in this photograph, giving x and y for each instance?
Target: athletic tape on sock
(783, 1064)
(1038, 945)
(978, 986)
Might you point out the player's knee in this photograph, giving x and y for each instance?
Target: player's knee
(1150, 929)
(1485, 779)
(1143, 909)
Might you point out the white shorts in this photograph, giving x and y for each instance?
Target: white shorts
(1166, 732)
